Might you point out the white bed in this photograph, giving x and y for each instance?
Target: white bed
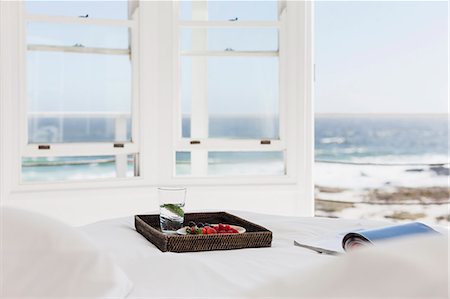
(215, 273)
(283, 270)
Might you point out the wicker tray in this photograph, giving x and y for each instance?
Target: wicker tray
(255, 235)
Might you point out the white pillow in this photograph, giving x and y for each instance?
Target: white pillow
(43, 257)
(406, 268)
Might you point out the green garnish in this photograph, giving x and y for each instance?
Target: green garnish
(174, 209)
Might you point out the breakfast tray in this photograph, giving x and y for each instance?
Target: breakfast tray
(254, 237)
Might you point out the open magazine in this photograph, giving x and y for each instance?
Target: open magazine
(362, 237)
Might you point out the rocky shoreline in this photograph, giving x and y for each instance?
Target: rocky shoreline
(427, 204)
(395, 192)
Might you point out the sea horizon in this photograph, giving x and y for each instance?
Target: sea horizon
(356, 114)
(352, 138)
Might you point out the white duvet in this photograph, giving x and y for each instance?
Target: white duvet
(232, 273)
(43, 258)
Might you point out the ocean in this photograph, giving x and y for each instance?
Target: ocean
(382, 138)
(386, 139)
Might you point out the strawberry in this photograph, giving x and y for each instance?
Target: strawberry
(211, 231)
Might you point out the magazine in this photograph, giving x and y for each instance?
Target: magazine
(363, 237)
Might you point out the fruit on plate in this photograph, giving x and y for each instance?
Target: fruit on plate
(225, 229)
(194, 230)
(209, 229)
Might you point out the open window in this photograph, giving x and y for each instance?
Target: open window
(80, 100)
(231, 116)
(197, 94)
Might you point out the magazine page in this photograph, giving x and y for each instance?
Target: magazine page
(359, 236)
(327, 244)
(373, 236)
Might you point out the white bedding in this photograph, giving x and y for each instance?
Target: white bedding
(44, 258)
(41, 257)
(214, 274)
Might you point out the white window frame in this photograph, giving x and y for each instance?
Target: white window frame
(118, 149)
(199, 147)
(158, 113)
(289, 13)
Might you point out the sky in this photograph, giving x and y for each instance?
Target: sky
(371, 57)
(381, 57)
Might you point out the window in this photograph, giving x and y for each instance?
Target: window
(231, 109)
(80, 91)
(160, 93)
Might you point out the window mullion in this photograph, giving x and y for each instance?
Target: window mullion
(228, 24)
(199, 113)
(232, 145)
(289, 156)
(283, 77)
(78, 20)
(78, 149)
(229, 53)
(135, 105)
(77, 49)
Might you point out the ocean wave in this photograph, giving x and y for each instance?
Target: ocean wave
(403, 159)
(332, 140)
(335, 152)
(387, 160)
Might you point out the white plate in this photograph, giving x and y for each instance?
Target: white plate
(240, 229)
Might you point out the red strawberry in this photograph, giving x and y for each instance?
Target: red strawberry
(227, 227)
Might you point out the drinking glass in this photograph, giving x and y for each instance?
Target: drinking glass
(171, 208)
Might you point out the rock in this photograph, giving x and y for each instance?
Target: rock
(329, 189)
(440, 170)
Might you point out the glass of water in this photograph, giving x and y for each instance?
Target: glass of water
(171, 208)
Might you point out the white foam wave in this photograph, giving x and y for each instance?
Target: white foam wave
(332, 140)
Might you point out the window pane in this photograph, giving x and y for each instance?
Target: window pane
(183, 163)
(186, 95)
(80, 35)
(242, 97)
(61, 127)
(246, 163)
(117, 9)
(227, 10)
(237, 39)
(51, 169)
(78, 97)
